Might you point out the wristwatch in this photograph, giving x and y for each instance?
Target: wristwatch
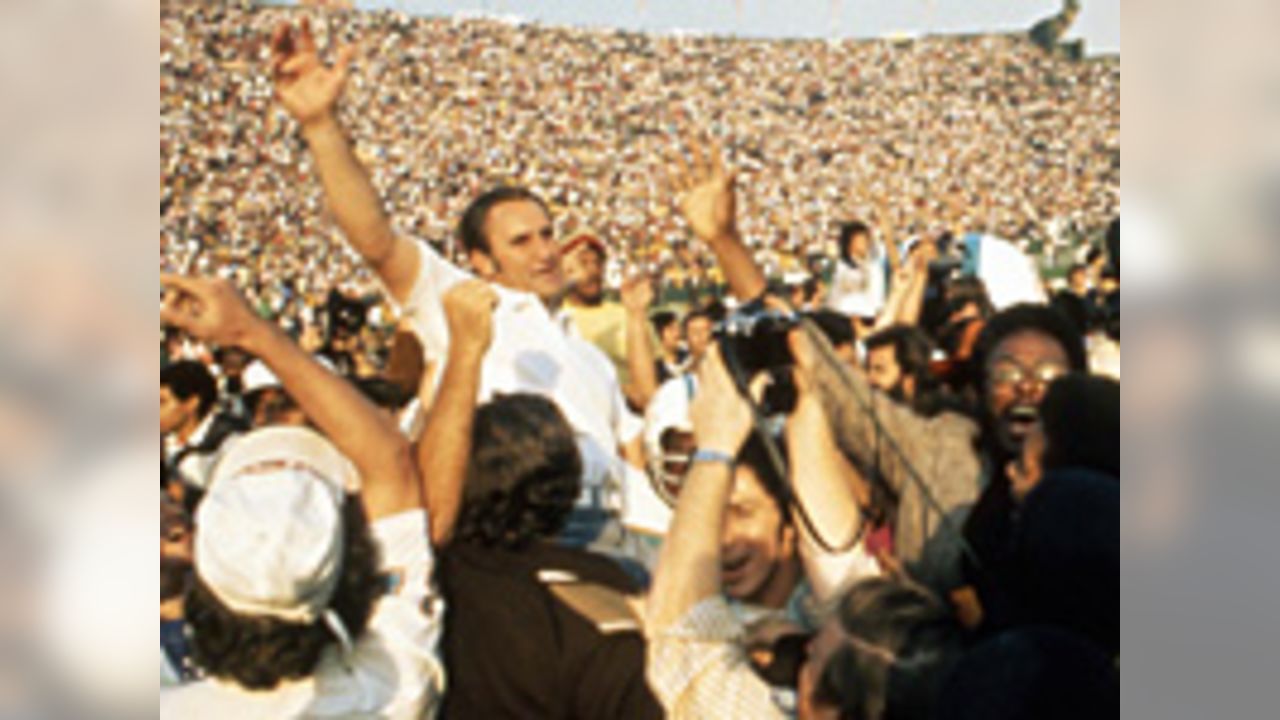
(712, 456)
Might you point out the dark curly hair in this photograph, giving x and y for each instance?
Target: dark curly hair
(907, 642)
(1023, 317)
(524, 476)
(259, 652)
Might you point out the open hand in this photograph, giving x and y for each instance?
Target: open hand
(705, 191)
(307, 88)
(637, 294)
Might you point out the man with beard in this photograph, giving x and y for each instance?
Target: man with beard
(898, 364)
(620, 330)
(933, 467)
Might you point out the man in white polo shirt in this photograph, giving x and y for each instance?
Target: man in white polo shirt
(508, 236)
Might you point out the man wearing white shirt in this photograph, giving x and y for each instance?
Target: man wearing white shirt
(510, 242)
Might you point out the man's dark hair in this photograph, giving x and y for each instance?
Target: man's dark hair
(754, 455)
(913, 353)
(662, 320)
(524, 476)
(175, 577)
(837, 327)
(1020, 318)
(965, 290)
(906, 643)
(694, 314)
(383, 393)
(259, 652)
(190, 378)
(471, 229)
(848, 230)
(277, 401)
(1077, 268)
(716, 310)
(1081, 419)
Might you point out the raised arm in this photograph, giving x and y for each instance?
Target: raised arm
(912, 304)
(213, 311)
(637, 296)
(828, 488)
(866, 424)
(707, 198)
(445, 446)
(310, 91)
(689, 566)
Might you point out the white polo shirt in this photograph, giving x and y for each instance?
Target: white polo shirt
(534, 351)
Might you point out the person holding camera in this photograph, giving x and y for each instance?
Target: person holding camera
(883, 650)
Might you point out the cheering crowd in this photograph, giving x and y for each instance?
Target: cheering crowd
(499, 381)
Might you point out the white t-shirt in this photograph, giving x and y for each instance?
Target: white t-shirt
(394, 670)
(536, 352)
(858, 291)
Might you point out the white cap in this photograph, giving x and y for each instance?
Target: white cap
(258, 376)
(269, 533)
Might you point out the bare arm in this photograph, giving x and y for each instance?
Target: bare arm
(824, 482)
(212, 310)
(709, 204)
(445, 446)
(358, 210)
(913, 294)
(637, 295)
(913, 298)
(689, 566)
(310, 91)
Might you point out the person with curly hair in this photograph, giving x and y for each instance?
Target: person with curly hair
(532, 628)
(307, 600)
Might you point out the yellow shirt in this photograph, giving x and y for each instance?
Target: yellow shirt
(604, 326)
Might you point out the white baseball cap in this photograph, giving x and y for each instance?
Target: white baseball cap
(258, 376)
(269, 532)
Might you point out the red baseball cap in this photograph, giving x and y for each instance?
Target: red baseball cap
(584, 238)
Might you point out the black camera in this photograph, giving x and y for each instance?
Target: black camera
(753, 340)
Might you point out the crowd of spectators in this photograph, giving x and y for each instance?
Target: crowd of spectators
(983, 133)
(449, 429)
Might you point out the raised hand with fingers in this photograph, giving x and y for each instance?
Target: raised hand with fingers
(208, 309)
(307, 88)
(468, 308)
(705, 191)
(637, 294)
